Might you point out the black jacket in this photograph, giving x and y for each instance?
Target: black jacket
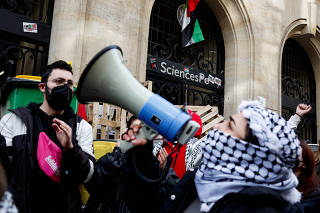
(116, 187)
(311, 203)
(251, 199)
(22, 168)
(255, 200)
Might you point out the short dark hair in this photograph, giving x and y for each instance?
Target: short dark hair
(55, 65)
(251, 138)
(130, 121)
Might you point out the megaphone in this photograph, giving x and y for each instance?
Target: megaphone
(107, 79)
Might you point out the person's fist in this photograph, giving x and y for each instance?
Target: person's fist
(162, 157)
(303, 109)
(130, 135)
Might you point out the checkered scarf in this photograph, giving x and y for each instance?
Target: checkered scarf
(230, 164)
(193, 155)
(7, 205)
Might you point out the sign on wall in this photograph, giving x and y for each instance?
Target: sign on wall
(182, 72)
(30, 27)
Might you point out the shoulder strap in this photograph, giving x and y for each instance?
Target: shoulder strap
(73, 124)
(26, 116)
(39, 125)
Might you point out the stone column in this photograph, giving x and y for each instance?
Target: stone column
(121, 22)
(66, 40)
(239, 53)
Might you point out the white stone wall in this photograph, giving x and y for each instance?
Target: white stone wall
(67, 33)
(81, 28)
(273, 22)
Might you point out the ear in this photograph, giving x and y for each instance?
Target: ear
(42, 87)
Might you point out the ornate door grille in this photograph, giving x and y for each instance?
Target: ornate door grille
(298, 86)
(208, 55)
(24, 52)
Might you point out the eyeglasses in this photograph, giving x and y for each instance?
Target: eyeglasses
(60, 81)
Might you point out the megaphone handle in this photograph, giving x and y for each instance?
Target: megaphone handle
(124, 146)
(188, 131)
(145, 132)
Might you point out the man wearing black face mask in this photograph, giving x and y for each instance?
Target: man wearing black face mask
(47, 149)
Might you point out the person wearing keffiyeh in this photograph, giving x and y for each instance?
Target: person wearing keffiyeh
(186, 157)
(254, 148)
(6, 201)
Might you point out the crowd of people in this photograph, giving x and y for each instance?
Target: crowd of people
(251, 162)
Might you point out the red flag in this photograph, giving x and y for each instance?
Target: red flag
(192, 4)
(82, 111)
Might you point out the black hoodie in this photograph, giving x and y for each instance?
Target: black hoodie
(32, 190)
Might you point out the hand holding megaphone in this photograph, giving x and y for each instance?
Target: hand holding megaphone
(107, 79)
(136, 135)
(140, 134)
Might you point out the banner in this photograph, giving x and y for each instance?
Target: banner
(182, 72)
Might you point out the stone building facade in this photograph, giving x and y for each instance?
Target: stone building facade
(260, 49)
(254, 36)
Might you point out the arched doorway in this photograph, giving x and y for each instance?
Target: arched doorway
(193, 75)
(298, 86)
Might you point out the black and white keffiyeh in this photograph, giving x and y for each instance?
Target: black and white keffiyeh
(7, 205)
(193, 155)
(230, 164)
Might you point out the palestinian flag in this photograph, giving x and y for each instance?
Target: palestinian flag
(191, 32)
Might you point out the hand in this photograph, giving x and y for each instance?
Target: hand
(303, 109)
(162, 157)
(63, 132)
(130, 135)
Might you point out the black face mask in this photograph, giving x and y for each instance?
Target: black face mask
(60, 97)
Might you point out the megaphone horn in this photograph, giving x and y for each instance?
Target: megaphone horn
(107, 79)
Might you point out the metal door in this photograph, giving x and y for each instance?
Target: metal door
(207, 56)
(298, 86)
(24, 36)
